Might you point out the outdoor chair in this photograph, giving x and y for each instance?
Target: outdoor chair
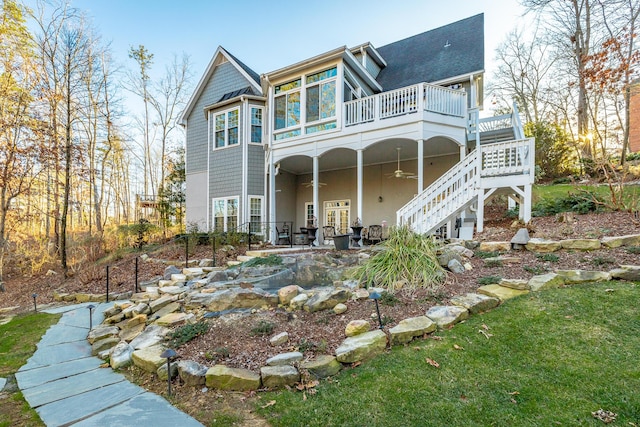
(374, 234)
(284, 234)
(328, 232)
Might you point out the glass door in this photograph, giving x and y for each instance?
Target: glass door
(336, 214)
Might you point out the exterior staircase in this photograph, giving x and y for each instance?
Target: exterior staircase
(502, 163)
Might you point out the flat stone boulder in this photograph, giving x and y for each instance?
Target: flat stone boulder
(362, 347)
(322, 366)
(543, 245)
(120, 355)
(144, 297)
(475, 303)
(286, 294)
(149, 358)
(460, 249)
(545, 281)
(581, 244)
(151, 336)
(495, 246)
(192, 373)
(360, 293)
(234, 379)
(627, 272)
(241, 298)
(447, 255)
(520, 284)
(326, 299)
(408, 329)
(104, 344)
(285, 359)
(581, 276)
(447, 315)
(455, 266)
(617, 241)
(101, 332)
(175, 319)
(279, 339)
(116, 318)
(299, 301)
(500, 292)
(167, 309)
(503, 259)
(130, 333)
(164, 300)
(172, 290)
(169, 271)
(279, 376)
(357, 327)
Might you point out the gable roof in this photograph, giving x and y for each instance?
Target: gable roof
(252, 78)
(453, 50)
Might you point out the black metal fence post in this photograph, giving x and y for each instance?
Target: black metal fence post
(136, 288)
(186, 251)
(107, 283)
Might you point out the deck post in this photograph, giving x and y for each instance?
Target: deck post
(316, 199)
(359, 153)
(420, 165)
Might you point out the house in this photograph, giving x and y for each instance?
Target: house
(388, 135)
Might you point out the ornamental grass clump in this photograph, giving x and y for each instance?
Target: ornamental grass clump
(405, 257)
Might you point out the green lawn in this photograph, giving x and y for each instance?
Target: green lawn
(559, 191)
(549, 358)
(18, 340)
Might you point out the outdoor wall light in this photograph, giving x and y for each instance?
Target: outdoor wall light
(168, 354)
(380, 199)
(35, 307)
(91, 307)
(375, 297)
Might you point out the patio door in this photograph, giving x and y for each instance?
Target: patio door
(336, 213)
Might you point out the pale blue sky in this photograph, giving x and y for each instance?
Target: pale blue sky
(269, 35)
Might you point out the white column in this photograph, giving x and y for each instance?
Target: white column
(525, 206)
(316, 186)
(359, 196)
(480, 211)
(463, 152)
(420, 165)
(272, 200)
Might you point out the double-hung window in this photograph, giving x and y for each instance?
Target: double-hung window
(225, 214)
(256, 125)
(255, 214)
(226, 128)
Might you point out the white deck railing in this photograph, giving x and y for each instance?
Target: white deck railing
(407, 100)
(459, 186)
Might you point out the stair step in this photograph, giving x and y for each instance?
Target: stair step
(245, 258)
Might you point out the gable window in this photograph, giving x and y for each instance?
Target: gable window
(256, 125)
(225, 214)
(226, 128)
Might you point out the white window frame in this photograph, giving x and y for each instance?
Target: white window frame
(261, 109)
(225, 210)
(250, 210)
(308, 213)
(345, 207)
(225, 114)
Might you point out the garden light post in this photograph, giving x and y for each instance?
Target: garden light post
(35, 306)
(91, 307)
(376, 296)
(168, 354)
(136, 289)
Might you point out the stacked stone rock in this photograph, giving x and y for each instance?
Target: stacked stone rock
(135, 330)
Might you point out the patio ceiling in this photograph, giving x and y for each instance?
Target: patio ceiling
(382, 152)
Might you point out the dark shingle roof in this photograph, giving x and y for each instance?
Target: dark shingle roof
(448, 51)
(255, 76)
(244, 91)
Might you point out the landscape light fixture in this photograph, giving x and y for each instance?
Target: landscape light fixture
(168, 354)
(376, 296)
(35, 307)
(91, 307)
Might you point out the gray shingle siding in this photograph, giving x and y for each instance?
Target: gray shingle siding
(225, 78)
(255, 181)
(225, 178)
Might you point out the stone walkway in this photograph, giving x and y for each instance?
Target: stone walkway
(66, 385)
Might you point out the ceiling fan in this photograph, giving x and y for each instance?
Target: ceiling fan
(399, 173)
(310, 184)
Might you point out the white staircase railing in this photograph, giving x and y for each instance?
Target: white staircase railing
(459, 187)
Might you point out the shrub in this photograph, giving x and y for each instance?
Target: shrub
(492, 263)
(184, 334)
(535, 270)
(263, 327)
(633, 249)
(405, 256)
(548, 257)
(582, 203)
(269, 260)
(599, 261)
(389, 299)
(489, 280)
